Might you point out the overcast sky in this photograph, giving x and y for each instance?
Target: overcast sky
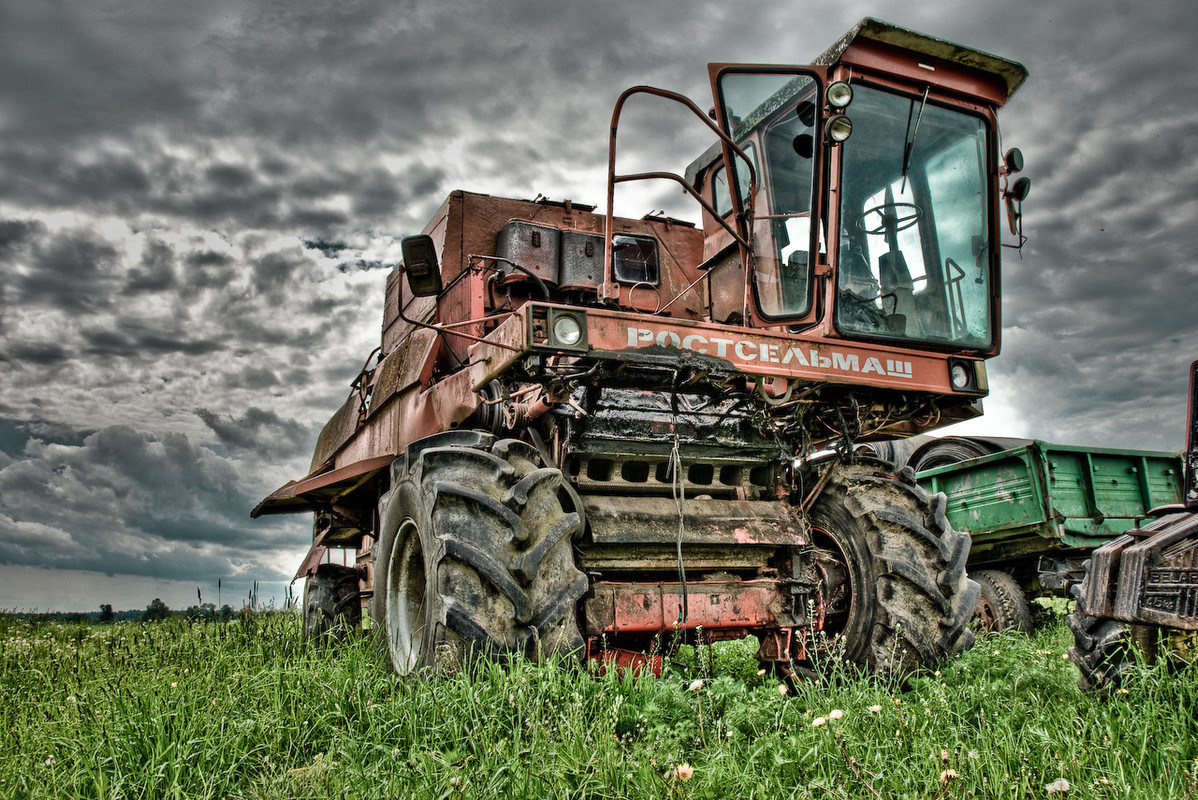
(199, 203)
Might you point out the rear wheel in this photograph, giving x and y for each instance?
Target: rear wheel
(892, 571)
(332, 604)
(1002, 605)
(476, 555)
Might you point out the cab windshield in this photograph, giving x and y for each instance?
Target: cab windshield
(914, 253)
(772, 117)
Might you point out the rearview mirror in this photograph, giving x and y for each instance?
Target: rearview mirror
(1014, 198)
(420, 265)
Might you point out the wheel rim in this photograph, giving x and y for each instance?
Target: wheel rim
(406, 599)
(835, 585)
(985, 618)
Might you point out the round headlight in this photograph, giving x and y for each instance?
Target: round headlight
(567, 331)
(839, 128)
(959, 376)
(839, 94)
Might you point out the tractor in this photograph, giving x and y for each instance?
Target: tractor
(585, 436)
(1138, 601)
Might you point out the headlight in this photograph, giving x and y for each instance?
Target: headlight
(838, 128)
(567, 331)
(963, 376)
(839, 94)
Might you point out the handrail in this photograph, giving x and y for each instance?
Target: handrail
(745, 242)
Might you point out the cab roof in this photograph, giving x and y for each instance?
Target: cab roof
(1012, 73)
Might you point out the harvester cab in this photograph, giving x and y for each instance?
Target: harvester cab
(589, 434)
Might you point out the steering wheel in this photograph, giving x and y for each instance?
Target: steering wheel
(891, 215)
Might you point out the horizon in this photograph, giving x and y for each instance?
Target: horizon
(200, 204)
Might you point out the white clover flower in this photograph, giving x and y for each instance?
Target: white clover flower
(818, 722)
(835, 713)
(1059, 786)
(696, 685)
(875, 709)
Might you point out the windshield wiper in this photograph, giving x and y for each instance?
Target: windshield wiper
(909, 144)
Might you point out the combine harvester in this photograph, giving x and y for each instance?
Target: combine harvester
(586, 435)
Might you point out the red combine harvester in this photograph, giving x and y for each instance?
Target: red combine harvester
(583, 433)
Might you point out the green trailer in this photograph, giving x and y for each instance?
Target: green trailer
(1035, 510)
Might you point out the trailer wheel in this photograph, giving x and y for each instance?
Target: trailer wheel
(895, 589)
(332, 604)
(1002, 605)
(476, 555)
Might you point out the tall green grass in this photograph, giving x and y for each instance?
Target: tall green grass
(250, 710)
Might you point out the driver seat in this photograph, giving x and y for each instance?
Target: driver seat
(896, 283)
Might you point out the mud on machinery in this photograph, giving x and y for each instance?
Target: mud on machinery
(583, 433)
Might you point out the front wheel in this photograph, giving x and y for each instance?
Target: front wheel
(892, 571)
(476, 555)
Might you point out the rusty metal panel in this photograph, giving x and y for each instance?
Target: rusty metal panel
(1158, 577)
(873, 42)
(336, 432)
(654, 520)
(321, 490)
(638, 608)
(1103, 570)
(582, 260)
(537, 248)
(629, 559)
(388, 376)
(766, 353)
(408, 364)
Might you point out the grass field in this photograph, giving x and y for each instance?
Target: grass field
(249, 710)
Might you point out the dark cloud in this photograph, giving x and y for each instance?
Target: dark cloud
(130, 502)
(260, 432)
(73, 271)
(75, 70)
(156, 272)
(199, 204)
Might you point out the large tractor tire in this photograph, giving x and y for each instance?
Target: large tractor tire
(901, 601)
(476, 555)
(1002, 605)
(332, 603)
(1101, 648)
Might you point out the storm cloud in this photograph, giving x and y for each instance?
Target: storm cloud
(199, 204)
